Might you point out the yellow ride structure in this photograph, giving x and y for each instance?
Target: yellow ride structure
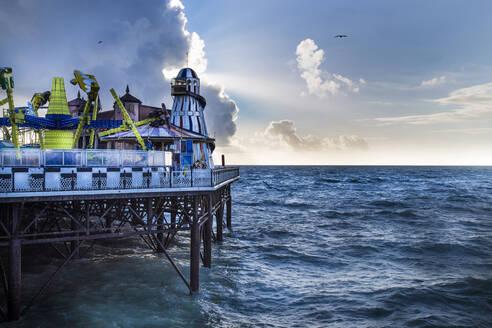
(55, 130)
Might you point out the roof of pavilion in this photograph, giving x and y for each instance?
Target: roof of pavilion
(167, 132)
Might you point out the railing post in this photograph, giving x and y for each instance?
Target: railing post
(73, 180)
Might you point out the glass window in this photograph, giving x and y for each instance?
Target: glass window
(111, 158)
(72, 158)
(186, 160)
(94, 158)
(11, 158)
(127, 158)
(54, 158)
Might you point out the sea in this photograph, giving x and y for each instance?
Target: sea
(310, 246)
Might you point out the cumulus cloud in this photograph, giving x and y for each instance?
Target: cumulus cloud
(433, 82)
(286, 131)
(318, 81)
(139, 40)
(220, 123)
(473, 104)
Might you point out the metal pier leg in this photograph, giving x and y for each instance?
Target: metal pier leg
(14, 279)
(14, 274)
(195, 253)
(229, 211)
(160, 235)
(218, 219)
(207, 234)
(74, 244)
(173, 213)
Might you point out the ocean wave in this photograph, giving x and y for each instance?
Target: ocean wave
(296, 202)
(403, 213)
(330, 180)
(387, 203)
(313, 246)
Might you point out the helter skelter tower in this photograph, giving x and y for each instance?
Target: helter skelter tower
(187, 113)
(188, 105)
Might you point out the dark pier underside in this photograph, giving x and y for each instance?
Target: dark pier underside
(67, 221)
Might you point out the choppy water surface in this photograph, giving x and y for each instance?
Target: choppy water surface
(311, 247)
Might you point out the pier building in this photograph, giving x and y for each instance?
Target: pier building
(67, 198)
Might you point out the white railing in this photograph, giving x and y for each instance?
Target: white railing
(82, 158)
(220, 175)
(100, 178)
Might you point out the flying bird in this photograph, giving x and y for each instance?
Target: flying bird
(341, 36)
(99, 42)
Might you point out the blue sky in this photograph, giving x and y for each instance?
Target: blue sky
(393, 45)
(410, 85)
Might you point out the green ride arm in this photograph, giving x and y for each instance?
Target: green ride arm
(128, 120)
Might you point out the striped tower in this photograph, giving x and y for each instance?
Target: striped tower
(58, 110)
(188, 105)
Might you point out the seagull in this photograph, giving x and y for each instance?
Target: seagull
(99, 42)
(341, 36)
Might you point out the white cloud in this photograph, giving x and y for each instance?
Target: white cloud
(473, 104)
(286, 132)
(139, 44)
(469, 131)
(351, 85)
(175, 4)
(319, 82)
(433, 82)
(221, 113)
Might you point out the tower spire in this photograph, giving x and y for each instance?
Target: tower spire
(127, 89)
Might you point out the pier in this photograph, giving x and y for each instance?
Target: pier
(45, 199)
(133, 171)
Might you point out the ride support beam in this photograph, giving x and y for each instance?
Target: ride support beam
(13, 124)
(128, 119)
(94, 117)
(82, 122)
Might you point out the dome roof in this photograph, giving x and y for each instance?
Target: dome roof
(186, 72)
